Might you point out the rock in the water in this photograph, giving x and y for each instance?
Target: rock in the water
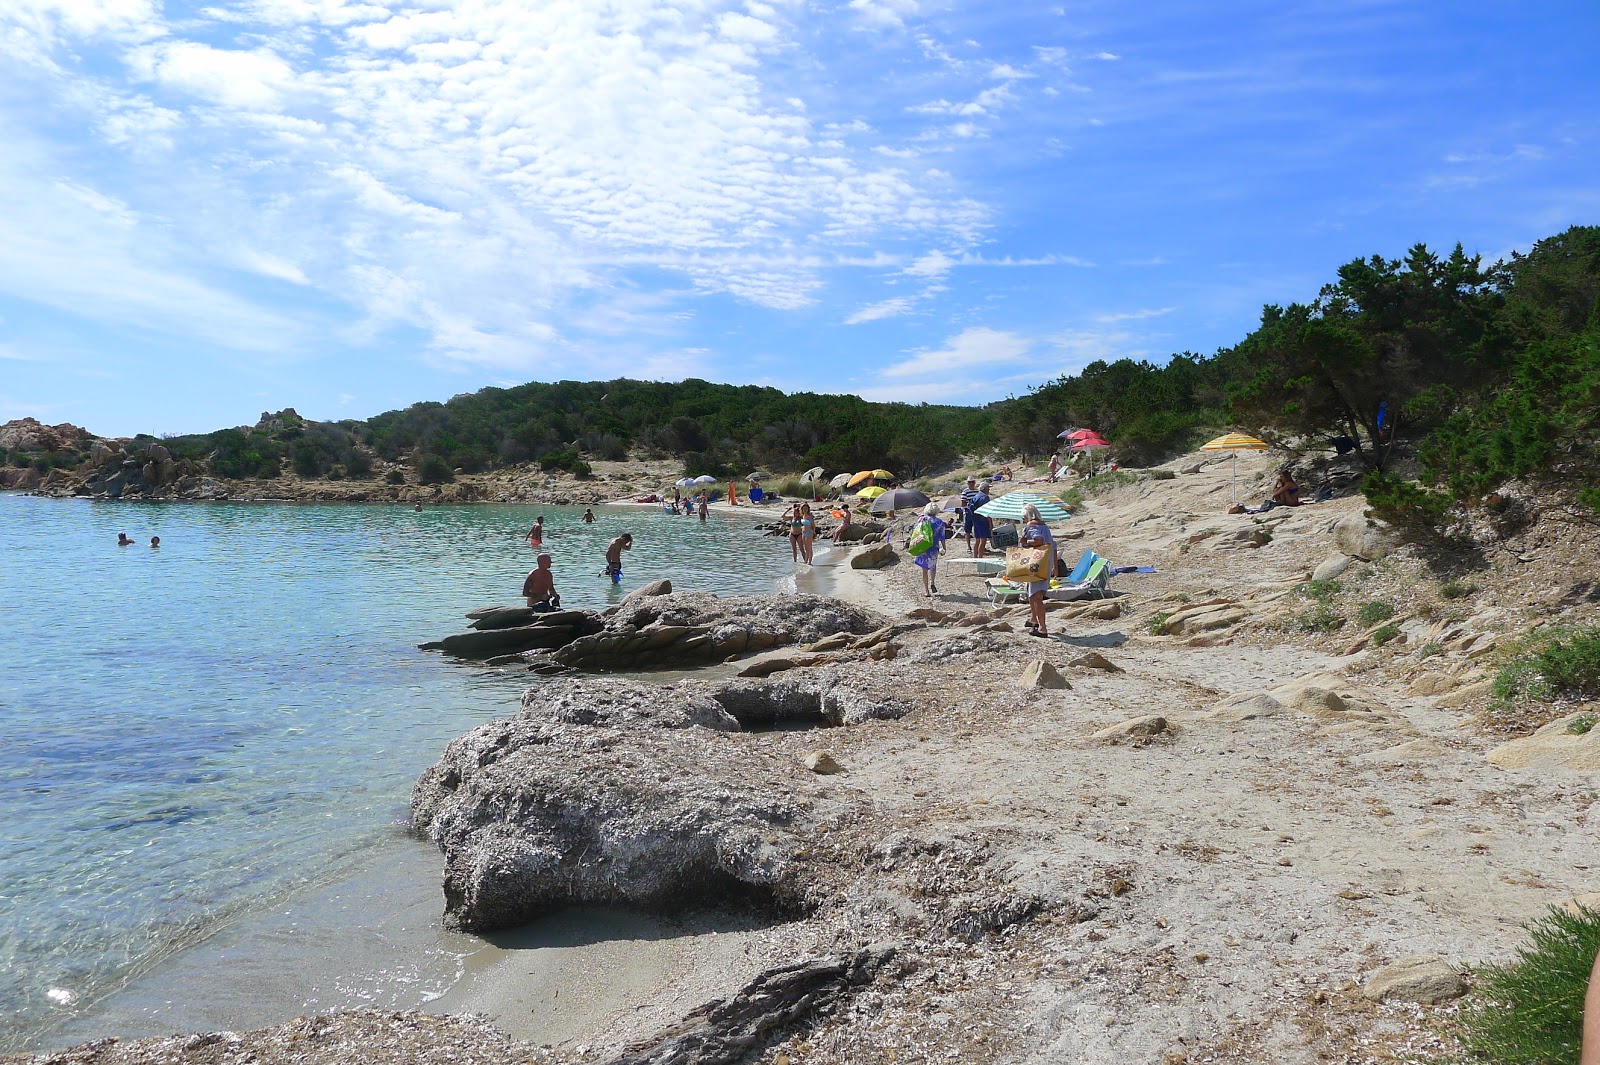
(1364, 538)
(1330, 567)
(1096, 660)
(1424, 978)
(822, 763)
(503, 617)
(1136, 729)
(879, 554)
(1041, 674)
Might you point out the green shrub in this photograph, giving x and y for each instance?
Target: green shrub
(1582, 725)
(431, 469)
(1407, 506)
(1385, 634)
(1565, 663)
(1073, 499)
(1530, 1012)
(1321, 591)
(1456, 589)
(394, 477)
(1374, 612)
(1320, 618)
(1429, 650)
(1153, 626)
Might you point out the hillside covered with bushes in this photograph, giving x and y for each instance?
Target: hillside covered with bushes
(1476, 374)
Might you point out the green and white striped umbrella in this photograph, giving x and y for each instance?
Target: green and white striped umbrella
(1010, 506)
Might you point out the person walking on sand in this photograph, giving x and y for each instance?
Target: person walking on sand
(614, 552)
(539, 587)
(536, 534)
(927, 542)
(1055, 466)
(978, 525)
(1035, 533)
(808, 532)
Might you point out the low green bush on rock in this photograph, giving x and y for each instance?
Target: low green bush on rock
(1530, 1012)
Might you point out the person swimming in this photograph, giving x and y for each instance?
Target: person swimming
(155, 541)
(123, 540)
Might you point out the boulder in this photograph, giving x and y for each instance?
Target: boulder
(1096, 660)
(822, 763)
(1554, 744)
(1138, 729)
(878, 554)
(625, 704)
(1249, 706)
(1041, 674)
(502, 617)
(1467, 696)
(1365, 538)
(660, 587)
(1433, 684)
(830, 695)
(1424, 978)
(534, 814)
(1331, 567)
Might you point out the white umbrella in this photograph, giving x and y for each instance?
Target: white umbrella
(813, 474)
(704, 478)
(1010, 506)
(686, 482)
(841, 481)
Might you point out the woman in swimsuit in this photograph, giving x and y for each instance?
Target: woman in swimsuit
(791, 516)
(808, 532)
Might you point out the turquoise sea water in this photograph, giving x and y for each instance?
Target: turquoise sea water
(192, 734)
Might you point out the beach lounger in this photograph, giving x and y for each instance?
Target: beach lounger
(1001, 590)
(1094, 585)
(992, 566)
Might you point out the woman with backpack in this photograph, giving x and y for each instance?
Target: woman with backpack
(926, 543)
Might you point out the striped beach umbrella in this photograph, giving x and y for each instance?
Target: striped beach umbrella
(1009, 506)
(1235, 442)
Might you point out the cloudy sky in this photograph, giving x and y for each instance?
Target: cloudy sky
(210, 210)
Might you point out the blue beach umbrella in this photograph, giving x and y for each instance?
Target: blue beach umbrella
(1009, 506)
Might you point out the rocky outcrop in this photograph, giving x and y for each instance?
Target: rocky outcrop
(695, 628)
(654, 628)
(728, 1030)
(873, 557)
(1572, 741)
(29, 434)
(1364, 538)
(621, 799)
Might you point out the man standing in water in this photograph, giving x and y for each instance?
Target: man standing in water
(588, 516)
(540, 586)
(704, 496)
(536, 534)
(614, 552)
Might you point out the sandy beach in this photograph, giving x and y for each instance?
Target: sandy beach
(1201, 845)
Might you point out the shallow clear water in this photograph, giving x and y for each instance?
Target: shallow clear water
(190, 733)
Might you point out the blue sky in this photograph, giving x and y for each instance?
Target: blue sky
(211, 210)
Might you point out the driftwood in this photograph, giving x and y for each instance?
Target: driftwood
(724, 1031)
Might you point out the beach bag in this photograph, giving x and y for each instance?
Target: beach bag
(1027, 563)
(1004, 537)
(921, 537)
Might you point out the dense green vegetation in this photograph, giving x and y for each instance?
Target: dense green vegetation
(1491, 373)
(722, 430)
(1484, 374)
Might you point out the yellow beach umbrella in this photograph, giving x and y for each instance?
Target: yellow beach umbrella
(871, 493)
(1235, 442)
(883, 475)
(864, 475)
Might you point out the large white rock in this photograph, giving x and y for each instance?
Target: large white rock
(1425, 978)
(1364, 538)
(1554, 744)
(1331, 567)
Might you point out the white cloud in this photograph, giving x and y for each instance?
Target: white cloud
(889, 308)
(1132, 316)
(884, 12)
(248, 80)
(933, 264)
(975, 347)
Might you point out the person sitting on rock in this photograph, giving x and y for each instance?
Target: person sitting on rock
(1285, 492)
(540, 586)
